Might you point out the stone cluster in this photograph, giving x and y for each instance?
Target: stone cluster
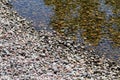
(26, 54)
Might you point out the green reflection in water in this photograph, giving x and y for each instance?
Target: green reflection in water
(72, 15)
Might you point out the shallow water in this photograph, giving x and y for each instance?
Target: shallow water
(95, 22)
(34, 10)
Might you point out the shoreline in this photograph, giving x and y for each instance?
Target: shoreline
(28, 54)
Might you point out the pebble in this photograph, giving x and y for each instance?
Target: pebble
(6, 51)
(45, 55)
(68, 67)
(1, 45)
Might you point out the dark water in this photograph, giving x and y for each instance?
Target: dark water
(95, 22)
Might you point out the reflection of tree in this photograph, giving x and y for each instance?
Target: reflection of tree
(91, 20)
(71, 15)
(115, 32)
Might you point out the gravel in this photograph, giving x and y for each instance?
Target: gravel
(27, 54)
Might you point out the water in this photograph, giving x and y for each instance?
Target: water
(35, 11)
(95, 22)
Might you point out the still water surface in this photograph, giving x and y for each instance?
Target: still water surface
(95, 22)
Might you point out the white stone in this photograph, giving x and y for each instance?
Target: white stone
(54, 66)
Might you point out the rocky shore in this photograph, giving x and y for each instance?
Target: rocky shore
(27, 54)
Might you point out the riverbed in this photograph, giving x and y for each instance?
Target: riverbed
(29, 54)
(88, 25)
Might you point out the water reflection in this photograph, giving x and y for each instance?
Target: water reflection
(90, 21)
(96, 19)
(87, 21)
(34, 10)
(107, 9)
